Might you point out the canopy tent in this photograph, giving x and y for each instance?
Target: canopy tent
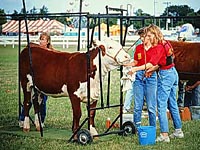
(34, 26)
(115, 29)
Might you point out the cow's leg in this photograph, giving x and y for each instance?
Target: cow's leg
(93, 113)
(36, 101)
(92, 116)
(26, 105)
(76, 108)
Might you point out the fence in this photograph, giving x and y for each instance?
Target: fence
(64, 41)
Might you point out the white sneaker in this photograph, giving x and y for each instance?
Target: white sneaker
(162, 138)
(127, 111)
(177, 134)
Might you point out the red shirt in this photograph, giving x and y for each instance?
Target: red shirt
(139, 55)
(160, 54)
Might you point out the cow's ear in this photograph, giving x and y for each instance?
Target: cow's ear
(96, 42)
(103, 50)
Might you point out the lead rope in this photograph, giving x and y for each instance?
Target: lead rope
(145, 62)
(132, 45)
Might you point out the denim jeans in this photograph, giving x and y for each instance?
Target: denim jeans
(167, 87)
(181, 94)
(145, 88)
(196, 101)
(192, 98)
(43, 110)
(128, 98)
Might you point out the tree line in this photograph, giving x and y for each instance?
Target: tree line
(173, 11)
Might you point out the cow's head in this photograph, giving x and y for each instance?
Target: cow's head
(113, 51)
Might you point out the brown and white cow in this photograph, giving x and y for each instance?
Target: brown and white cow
(187, 60)
(65, 74)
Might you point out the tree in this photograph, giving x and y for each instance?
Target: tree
(33, 10)
(181, 10)
(2, 19)
(176, 11)
(140, 23)
(14, 15)
(111, 21)
(43, 11)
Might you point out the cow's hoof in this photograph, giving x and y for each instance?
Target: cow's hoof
(38, 128)
(26, 129)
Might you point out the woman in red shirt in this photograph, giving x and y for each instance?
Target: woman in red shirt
(167, 83)
(143, 87)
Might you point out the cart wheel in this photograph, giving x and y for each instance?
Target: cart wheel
(84, 137)
(128, 128)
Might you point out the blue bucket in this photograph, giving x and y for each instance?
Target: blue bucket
(147, 135)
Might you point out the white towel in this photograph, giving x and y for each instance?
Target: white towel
(126, 80)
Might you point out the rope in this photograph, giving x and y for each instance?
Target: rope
(132, 45)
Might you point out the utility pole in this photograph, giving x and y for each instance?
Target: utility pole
(154, 11)
(167, 3)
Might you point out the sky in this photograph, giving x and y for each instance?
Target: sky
(153, 7)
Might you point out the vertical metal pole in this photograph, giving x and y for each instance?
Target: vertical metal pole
(88, 71)
(79, 27)
(19, 87)
(99, 28)
(107, 22)
(154, 11)
(108, 34)
(121, 94)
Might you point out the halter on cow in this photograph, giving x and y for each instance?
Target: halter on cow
(65, 74)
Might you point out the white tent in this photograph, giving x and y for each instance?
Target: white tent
(34, 26)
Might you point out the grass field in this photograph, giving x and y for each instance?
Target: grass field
(59, 118)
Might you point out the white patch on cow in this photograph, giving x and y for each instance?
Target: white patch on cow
(64, 92)
(26, 123)
(81, 92)
(64, 89)
(29, 83)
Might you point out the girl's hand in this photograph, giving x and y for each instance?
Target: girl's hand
(148, 74)
(188, 88)
(133, 70)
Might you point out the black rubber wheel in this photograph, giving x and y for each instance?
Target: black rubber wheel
(128, 128)
(84, 137)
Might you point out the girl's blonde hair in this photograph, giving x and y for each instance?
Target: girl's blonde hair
(48, 37)
(157, 33)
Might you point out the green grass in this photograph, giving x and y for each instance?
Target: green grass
(59, 118)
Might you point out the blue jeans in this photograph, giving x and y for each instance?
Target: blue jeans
(167, 87)
(145, 88)
(128, 98)
(196, 101)
(43, 110)
(181, 94)
(192, 98)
